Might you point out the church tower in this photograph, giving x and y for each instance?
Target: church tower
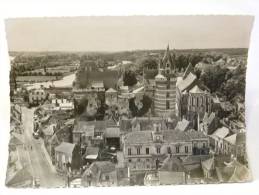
(165, 89)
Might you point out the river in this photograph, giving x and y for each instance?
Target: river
(66, 81)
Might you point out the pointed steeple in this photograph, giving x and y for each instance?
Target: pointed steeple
(159, 66)
(168, 62)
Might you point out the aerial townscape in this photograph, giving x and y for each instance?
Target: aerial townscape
(159, 117)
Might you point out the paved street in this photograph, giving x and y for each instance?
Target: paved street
(41, 168)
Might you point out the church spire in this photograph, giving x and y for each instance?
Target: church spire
(159, 66)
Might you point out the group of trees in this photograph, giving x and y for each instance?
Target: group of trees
(213, 77)
(224, 82)
(235, 83)
(129, 78)
(135, 111)
(80, 110)
(41, 74)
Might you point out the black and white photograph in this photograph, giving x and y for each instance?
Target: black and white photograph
(127, 100)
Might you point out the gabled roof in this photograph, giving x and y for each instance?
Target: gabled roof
(196, 89)
(111, 90)
(66, 148)
(187, 82)
(221, 132)
(231, 139)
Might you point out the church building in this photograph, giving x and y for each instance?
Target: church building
(165, 86)
(193, 99)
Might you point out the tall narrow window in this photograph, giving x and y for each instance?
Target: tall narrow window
(158, 150)
(167, 94)
(177, 149)
(129, 151)
(186, 149)
(167, 104)
(147, 150)
(204, 145)
(138, 151)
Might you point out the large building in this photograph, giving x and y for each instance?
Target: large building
(165, 86)
(193, 99)
(145, 150)
(37, 96)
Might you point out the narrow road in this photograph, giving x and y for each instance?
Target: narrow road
(39, 164)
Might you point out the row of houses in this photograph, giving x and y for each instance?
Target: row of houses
(18, 170)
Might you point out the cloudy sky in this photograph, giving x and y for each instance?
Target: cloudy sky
(128, 33)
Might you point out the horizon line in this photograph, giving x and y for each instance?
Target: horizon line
(118, 51)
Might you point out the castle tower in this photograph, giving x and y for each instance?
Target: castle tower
(165, 90)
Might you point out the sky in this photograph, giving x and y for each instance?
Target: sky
(112, 33)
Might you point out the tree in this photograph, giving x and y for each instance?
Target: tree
(129, 78)
(235, 84)
(13, 77)
(213, 77)
(146, 101)
(181, 62)
(149, 63)
(80, 106)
